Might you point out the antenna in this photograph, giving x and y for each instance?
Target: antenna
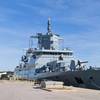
(49, 26)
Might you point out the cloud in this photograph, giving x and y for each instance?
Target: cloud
(76, 12)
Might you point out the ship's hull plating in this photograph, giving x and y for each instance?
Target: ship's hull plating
(86, 78)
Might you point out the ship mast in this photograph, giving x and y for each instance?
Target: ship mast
(49, 26)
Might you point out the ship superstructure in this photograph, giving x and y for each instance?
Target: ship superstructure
(50, 61)
(37, 60)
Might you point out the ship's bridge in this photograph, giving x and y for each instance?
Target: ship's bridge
(48, 41)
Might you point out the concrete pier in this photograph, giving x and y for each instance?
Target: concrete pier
(23, 90)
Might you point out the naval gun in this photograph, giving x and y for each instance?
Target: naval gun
(77, 66)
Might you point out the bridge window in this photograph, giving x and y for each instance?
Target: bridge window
(55, 53)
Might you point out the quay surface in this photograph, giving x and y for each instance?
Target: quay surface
(17, 90)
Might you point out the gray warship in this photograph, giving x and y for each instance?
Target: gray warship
(51, 62)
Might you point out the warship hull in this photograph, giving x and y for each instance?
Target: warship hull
(85, 79)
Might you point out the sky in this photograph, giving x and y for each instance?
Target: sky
(77, 21)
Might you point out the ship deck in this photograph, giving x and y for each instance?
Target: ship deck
(23, 90)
